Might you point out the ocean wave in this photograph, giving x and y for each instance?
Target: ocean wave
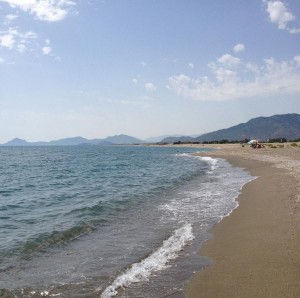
(87, 210)
(183, 154)
(56, 237)
(212, 161)
(155, 262)
(43, 241)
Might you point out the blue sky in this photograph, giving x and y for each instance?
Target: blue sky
(144, 67)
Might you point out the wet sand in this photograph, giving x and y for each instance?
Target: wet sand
(256, 250)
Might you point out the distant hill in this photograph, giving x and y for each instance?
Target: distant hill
(63, 142)
(123, 140)
(160, 138)
(97, 143)
(17, 142)
(68, 142)
(262, 128)
(177, 139)
(113, 140)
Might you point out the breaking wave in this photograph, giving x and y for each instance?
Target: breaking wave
(155, 262)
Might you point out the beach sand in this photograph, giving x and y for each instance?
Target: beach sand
(256, 250)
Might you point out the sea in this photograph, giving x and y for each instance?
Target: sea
(109, 221)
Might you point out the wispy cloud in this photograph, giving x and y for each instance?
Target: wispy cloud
(1, 60)
(150, 87)
(229, 60)
(239, 48)
(191, 65)
(46, 50)
(15, 39)
(297, 59)
(9, 18)
(7, 40)
(280, 15)
(21, 48)
(140, 101)
(133, 103)
(230, 80)
(44, 10)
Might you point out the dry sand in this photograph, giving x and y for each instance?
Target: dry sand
(256, 250)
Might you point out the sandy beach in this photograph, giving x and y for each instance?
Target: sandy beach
(256, 250)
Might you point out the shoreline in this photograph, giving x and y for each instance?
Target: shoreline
(255, 250)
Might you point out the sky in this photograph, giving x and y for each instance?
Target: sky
(144, 68)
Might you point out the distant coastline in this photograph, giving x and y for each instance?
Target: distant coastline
(277, 127)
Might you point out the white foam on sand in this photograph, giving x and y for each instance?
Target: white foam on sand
(156, 261)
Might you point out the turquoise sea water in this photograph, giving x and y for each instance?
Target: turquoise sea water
(106, 221)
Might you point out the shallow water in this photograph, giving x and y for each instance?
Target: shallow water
(90, 221)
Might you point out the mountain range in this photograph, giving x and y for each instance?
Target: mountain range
(76, 141)
(263, 128)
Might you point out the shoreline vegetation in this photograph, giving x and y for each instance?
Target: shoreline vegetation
(225, 144)
(255, 251)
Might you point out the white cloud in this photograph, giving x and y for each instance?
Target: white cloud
(191, 65)
(1, 60)
(45, 10)
(142, 101)
(21, 48)
(294, 30)
(134, 81)
(133, 103)
(252, 67)
(239, 48)
(228, 60)
(46, 50)
(224, 75)
(10, 17)
(250, 80)
(150, 87)
(14, 39)
(297, 59)
(279, 14)
(7, 40)
(28, 35)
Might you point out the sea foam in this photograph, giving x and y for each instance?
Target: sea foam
(212, 161)
(156, 261)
